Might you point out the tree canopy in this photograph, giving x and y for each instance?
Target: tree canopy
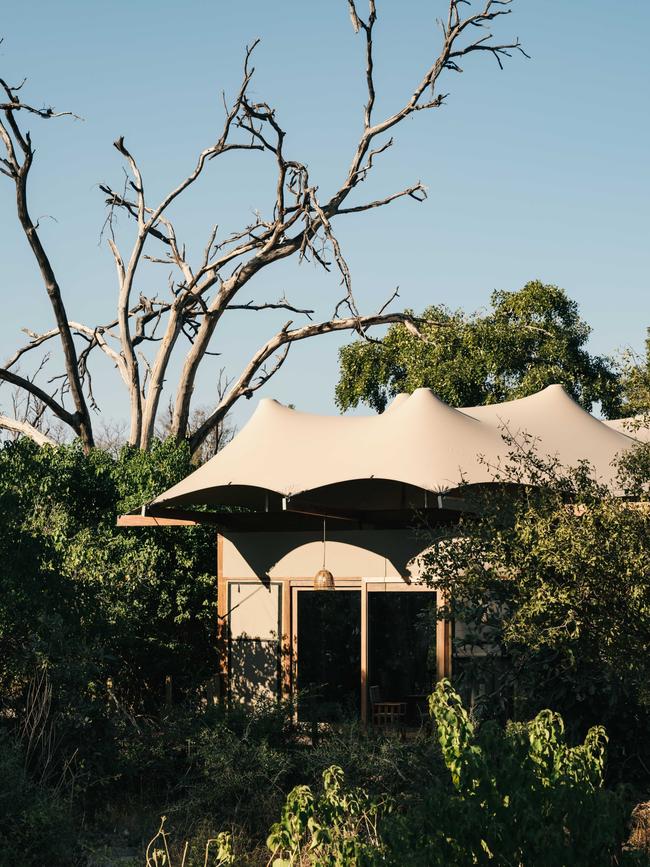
(552, 583)
(527, 340)
(634, 371)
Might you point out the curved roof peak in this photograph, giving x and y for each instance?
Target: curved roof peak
(398, 400)
(424, 407)
(268, 406)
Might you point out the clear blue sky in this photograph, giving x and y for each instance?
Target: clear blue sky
(539, 171)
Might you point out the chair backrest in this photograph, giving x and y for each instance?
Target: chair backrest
(375, 695)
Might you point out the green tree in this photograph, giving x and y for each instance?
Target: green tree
(549, 577)
(529, 339)
(634, 371)
(93, 617)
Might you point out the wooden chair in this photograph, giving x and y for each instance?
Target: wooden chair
(389, 714)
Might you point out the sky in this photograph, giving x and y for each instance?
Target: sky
(539, 171)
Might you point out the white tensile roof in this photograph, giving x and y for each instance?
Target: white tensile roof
(637, 427)
(419, 444)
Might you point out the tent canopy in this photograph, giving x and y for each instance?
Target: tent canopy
(636, 427)
(417, 450)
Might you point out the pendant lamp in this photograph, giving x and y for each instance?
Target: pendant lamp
(323, 579)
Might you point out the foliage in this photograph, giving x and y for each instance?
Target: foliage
(233, 768)
(337, 828)
(383, 765)
(518, 794)
(106, 613)
(521, 794)
(36, 826)
(550, 577)
(217, 852)
(238, 771)
(530, 338)
(634, 372)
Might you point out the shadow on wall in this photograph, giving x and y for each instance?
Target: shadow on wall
(349, 553)
(255, 669)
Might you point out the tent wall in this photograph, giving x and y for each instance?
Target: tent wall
(255, 612)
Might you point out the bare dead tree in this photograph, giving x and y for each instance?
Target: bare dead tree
(16, 164)
(298, 222)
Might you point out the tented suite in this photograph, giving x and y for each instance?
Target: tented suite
(321, 521)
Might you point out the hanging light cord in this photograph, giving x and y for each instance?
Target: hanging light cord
(323, 543)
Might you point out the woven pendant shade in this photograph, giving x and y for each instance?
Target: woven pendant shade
(323, 580)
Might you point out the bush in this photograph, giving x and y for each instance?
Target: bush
(339, 827)
(106, 612)
(520, 794)
(36, 827)
(498, 795)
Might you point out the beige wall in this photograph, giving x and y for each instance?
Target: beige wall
(255, 624)
(349, 554)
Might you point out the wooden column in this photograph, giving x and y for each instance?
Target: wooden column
(286, 643)
(222, 621)
(443, 644)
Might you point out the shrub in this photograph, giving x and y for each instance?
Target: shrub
(107, 612)
(521, 795)
(36, 826)
(507, 795)
(338, 827)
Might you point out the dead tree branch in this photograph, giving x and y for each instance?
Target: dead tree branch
(298, 220)
(19, 155)
(24, 428)
(254, 376)
(53, 405)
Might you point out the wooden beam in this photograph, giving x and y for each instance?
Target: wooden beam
(152, 521)
(158, 516)
(189, 515)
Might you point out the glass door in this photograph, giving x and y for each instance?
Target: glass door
(327, 644)
(402, 647)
